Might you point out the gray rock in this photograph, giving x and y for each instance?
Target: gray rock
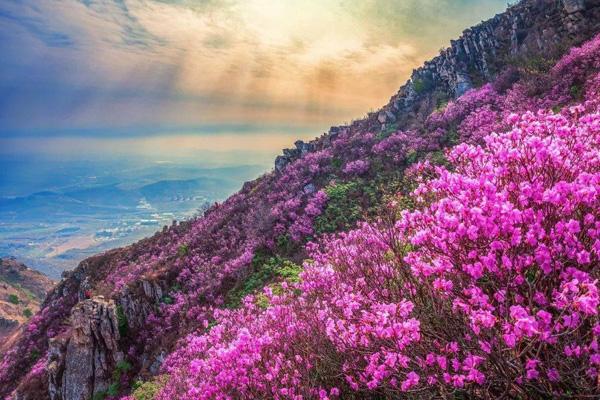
(82, 365)
(463, 84)
(309, 189)
(390, 116)
(281, 162)
(573, 6)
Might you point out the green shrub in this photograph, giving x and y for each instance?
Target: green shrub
(263, 270)
(441, 104)
(13, 298)
(389, 129)
(182, 250)
(576, 92)
(100, 395)
(336, 163)
(439, 158)
(452, 137)
(148, 390)
(343, 208)
(122, 367)
(27, 313)
(114, 388)
(35, 355)
(289, 271)
(421, 85)
(412, 157)
(122, 324)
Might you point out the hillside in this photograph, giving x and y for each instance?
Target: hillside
(22, 290)
(444, 246)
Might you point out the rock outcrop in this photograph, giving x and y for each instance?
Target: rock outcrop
(82, 364)
(289, 155)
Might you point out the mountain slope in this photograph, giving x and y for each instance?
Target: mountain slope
(22, 290)
(116, 318)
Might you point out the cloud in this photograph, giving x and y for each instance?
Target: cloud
(129, 63)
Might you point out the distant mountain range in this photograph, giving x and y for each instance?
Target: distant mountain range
(53, 229)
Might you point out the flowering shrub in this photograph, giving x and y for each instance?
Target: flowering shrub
(358, 167)
(489, 287)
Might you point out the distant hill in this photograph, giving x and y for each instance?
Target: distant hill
(22, 290)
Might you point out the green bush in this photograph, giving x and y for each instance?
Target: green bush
(35, 354)
(343, 208)
(421, 85)
(336, 163)
(12, 298)
(576, 92)
(182, 250)
(389, 129)
(122, 323)
(114, 388)
(27, 313)
(263, 270)
(148, 390)
(122, 367)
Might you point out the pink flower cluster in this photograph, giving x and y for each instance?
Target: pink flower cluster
(358, 167)
(489, 287)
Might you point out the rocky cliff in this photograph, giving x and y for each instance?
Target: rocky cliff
(97, 321)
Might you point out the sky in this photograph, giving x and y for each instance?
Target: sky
(90, 73)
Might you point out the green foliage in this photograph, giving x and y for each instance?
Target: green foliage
(336, 163)
(439, 158)
(148, 390)
(576, 92)
(166, 300)
(122, 367)
(412, 157)
(452, 137)
(286, 246)
(289, 271)
(12, 298)
(114, 388)
(533, 63)
(176, 287)
(100, 395)
(122, 324)
(264, 269)
(421, 85)
(441, 104)
(389, 129)
(27, 313)
(262, 301)
(35, 354)
(182, 250)
(343, 208)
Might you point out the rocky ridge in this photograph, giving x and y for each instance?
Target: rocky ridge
(530, 28)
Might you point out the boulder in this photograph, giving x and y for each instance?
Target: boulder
(81, 365)
(574, 6)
